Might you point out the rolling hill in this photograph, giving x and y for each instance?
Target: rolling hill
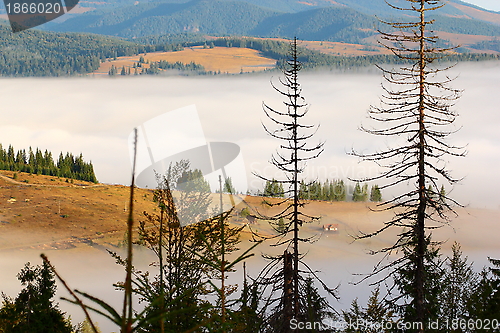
(38, 53)
(342, 21)
(73, 50)
(47, 213)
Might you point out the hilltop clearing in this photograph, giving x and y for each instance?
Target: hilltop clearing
(48, 213)
(217, 59)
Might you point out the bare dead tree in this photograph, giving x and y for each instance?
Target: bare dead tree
(285, 272)
(416, 106)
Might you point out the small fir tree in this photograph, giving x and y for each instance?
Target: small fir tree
(375, 194)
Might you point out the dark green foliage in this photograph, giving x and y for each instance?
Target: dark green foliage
(247, 318)
(156, 67)
(330, 190)
(228, 186)
(431, 193)
(405, 276)
(178, 289)
(442, 194)
(360, 193)
(377, 312)
(273, 188)
(330, 24)
(33, 309)
(484, 302)
(375, 194)
(112, 71)
(193, 259)
(488, 45)
(458, 283)
(314, 308)
(355, 314)
(192, 181)
(221, 240)
(37, 53)
(179, 65)
(281, 226)
(67, 166)
(314, 59)
(145, 19)
(465, 26)
(351, 23)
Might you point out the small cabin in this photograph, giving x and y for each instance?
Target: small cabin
(331, 227)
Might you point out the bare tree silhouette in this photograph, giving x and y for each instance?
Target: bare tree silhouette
(287, 273)
(416, 105)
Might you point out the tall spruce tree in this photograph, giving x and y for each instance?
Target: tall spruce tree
(458, 280)
(416, 106)
(284, 274)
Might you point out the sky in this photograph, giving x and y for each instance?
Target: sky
(486, 4)
(95, 116)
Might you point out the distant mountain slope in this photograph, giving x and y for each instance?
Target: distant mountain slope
(454, 8)
(209, 17)
(38, 53)
(330, 24)
(222, 17)
(473, 12)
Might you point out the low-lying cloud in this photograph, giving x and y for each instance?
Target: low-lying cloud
(95, 116)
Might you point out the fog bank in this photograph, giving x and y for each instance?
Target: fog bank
(95, 116)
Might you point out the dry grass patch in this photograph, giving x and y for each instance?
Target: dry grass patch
(478, 14)
(343, 49)
(47, 212)
(223, 59)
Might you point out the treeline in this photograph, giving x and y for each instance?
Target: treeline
(42, 163)
(311, 59)
(156, 67)
(329, 190)
(488, 45)
(463, 300)
(217, 18)
(39, 53)
(464, 26)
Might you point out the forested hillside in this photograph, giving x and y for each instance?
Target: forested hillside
(208, 17)
(222, 18)
(313, 59)
(38, 162)
(332, 24)
(37, 53)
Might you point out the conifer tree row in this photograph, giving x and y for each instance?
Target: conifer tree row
(42, 163)
(329, 190)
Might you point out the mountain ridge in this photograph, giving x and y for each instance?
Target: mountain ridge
(339, 23)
